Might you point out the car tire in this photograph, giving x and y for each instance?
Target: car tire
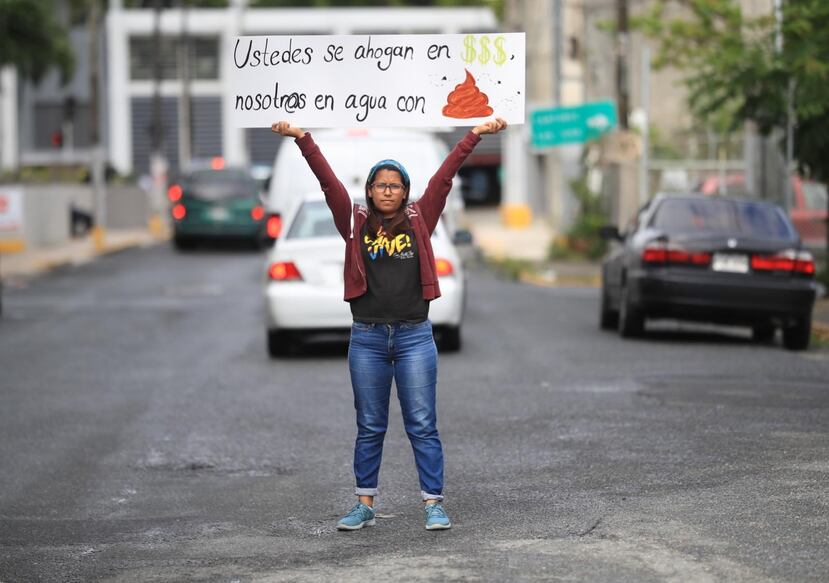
(450, 339)
(608, 318)
(631, 318)
(182, 243)
(279, 343)
(797, 336)
(762, 333)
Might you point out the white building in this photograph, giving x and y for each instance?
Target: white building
(130, 73)
(33, 117)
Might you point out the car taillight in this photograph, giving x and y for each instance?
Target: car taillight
(789, 261)
(274, 226)
(174, 193)
(660, 254)
(257, 213)
(284, 271)
(179, 212)
(444, 267)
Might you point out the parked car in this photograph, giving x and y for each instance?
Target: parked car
(351, 153)
(304, 287)
(808, 213)
(216, 204)
(722, 260)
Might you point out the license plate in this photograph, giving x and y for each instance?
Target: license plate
(730, 263)
(219, 213)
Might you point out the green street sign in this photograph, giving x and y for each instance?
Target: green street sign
(558, 126)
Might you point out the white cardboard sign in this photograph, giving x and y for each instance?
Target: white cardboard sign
(377, 80)
(11, 209)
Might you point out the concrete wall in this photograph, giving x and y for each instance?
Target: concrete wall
(46, 210)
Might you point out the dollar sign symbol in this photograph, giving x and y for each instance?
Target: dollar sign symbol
(485, 54)
(501, 55)
(470, 53)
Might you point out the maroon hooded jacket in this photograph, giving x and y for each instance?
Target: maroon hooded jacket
(423, 214)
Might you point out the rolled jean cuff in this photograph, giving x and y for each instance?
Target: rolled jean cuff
(430, 496)
(366, 491)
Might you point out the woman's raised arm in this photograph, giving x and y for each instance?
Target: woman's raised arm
(336, 195)
(283, 128)
(433, 201)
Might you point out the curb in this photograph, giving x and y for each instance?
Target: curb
(35, 265)
(555, 280)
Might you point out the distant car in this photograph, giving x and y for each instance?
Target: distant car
(808, 213)
(304, 287)
(217, 204)
(713, 259)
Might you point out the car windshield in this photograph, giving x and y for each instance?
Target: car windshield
(217, 185)
(815, 195)
(718, 216)
(313, 220)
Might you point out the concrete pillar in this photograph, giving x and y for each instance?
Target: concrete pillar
(9, 147)
(119, 127)
(234, 145)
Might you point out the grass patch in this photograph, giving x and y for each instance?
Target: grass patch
(511, 269)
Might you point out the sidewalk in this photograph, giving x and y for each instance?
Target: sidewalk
(530, 245)
(74, 252)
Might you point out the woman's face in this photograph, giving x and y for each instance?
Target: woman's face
(387, 192)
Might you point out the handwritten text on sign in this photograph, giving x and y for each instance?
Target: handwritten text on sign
(377, 80)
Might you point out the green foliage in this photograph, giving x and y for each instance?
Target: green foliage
(583, 241)
(32, 39)
(511, 269)
(735, 74)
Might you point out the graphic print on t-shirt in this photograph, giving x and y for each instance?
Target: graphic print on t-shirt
(400, 247)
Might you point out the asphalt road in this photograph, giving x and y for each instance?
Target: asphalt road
(145, 436)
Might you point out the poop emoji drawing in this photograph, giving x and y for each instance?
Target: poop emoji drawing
(467, 101)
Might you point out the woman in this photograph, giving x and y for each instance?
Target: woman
(390, 278)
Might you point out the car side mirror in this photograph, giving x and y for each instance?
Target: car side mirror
(463, 237)
(610, 233)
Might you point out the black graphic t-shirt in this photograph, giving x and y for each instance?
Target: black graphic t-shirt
(393, 274)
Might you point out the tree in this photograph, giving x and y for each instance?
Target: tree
(735, 72)
(32, 39)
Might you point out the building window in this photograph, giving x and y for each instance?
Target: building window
(204, 57)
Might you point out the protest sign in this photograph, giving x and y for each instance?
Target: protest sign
(377, 80)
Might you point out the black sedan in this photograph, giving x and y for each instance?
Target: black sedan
(711, 259)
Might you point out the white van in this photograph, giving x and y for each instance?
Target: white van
(351, 154)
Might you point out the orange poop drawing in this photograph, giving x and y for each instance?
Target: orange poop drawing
(467, 101)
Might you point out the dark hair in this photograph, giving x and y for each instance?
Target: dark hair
(399, 223)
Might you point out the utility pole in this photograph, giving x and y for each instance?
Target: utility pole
(158, 162)
(515, 208)
(184, 111)
(622, 92)
(97, 160)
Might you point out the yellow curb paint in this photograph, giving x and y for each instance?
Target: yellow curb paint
(516, 216)
(12, 245)
(99, 238)
(156, 226)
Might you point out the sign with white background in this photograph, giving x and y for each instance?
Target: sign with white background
(377, 80)
(11, 209)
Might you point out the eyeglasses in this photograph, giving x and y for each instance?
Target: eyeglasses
(382, 186)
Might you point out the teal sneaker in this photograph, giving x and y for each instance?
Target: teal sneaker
(358, 517)
(436, 518)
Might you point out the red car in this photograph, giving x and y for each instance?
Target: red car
(808, 212)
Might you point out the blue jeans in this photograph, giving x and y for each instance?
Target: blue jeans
(406, 353)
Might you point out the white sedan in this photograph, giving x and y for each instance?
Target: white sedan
(304, 288)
